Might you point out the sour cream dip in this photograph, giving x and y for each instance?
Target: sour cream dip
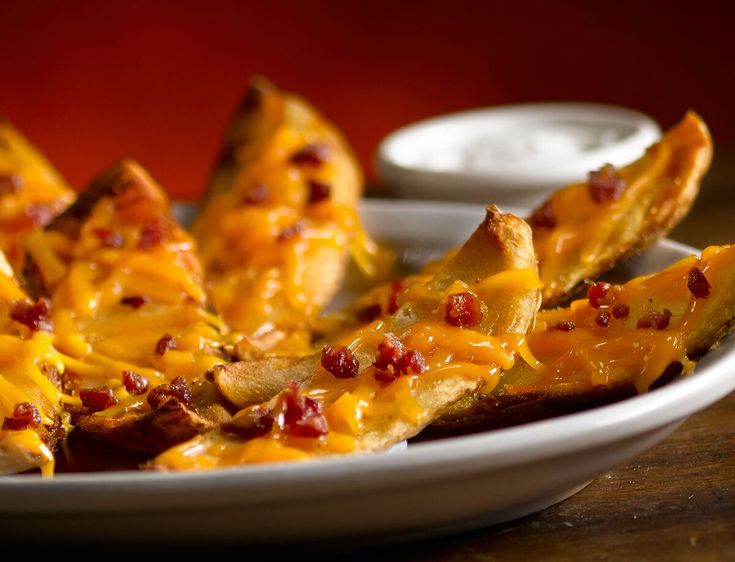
(513, 155)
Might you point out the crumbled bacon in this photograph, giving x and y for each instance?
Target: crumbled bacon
(463, 309)
(166, 343)
(257, 195)
(10, 183)
(108, 238)
(596, 292)
(563, 326)
(339, 361)
(151, 235)
(290, 231)
(621, 311)
(603, 318)
(655, 319)
(25, 416)
(395, 289)
(32, 315)
(250, 423)
(698, 284)
(318, 191)
(134, 301)
(97, 399)
(605, 184)
(390, 352)
(369, 313)
(301, 416)
(412, 362)
(393, 360)
(311, 155)
(39, 213)
(134, 383)
(177, 388)
(544, 216)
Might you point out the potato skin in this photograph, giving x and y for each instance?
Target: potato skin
(278, 220)
(660, 188)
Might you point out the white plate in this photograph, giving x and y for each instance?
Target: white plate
(432, 487)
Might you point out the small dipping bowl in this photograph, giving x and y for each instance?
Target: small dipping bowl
(510, 155)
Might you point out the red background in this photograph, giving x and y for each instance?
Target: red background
(92, 81)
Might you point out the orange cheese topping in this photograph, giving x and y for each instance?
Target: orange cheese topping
(607, 351)
(90, 275)
(31, 192)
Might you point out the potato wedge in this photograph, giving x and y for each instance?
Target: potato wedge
(32, 192)
(279, 220)
(586, 229)
(622, 340)
(30, 395)
(447, 338)
(129, 309)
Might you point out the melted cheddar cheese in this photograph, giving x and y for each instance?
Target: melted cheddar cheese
(31, 192)
(128, 246)
(281, 219)
(626, 349)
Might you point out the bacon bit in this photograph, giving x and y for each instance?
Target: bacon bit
(98, 398)
(134, 383)
(301, 416)
(134, 301)
(698, 284)
(166, 343)
(32, 315)
(621, 311)
(251, 423)
(564, 326)
(25, 416)
(544, 216)
(412, 362)
(605, 184)
(10, 183)
(596, 292)
(395, 289)
(151, 235)
(177, 388)
(390, 352)
(339, 362)
(393, 360)
(603, 318)
(318, 191)
(39, 213)
(655, 319)
(290, 232)
(463, 309)
(311, 155)
(108, 238)
(257, 195)
(369, 313)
